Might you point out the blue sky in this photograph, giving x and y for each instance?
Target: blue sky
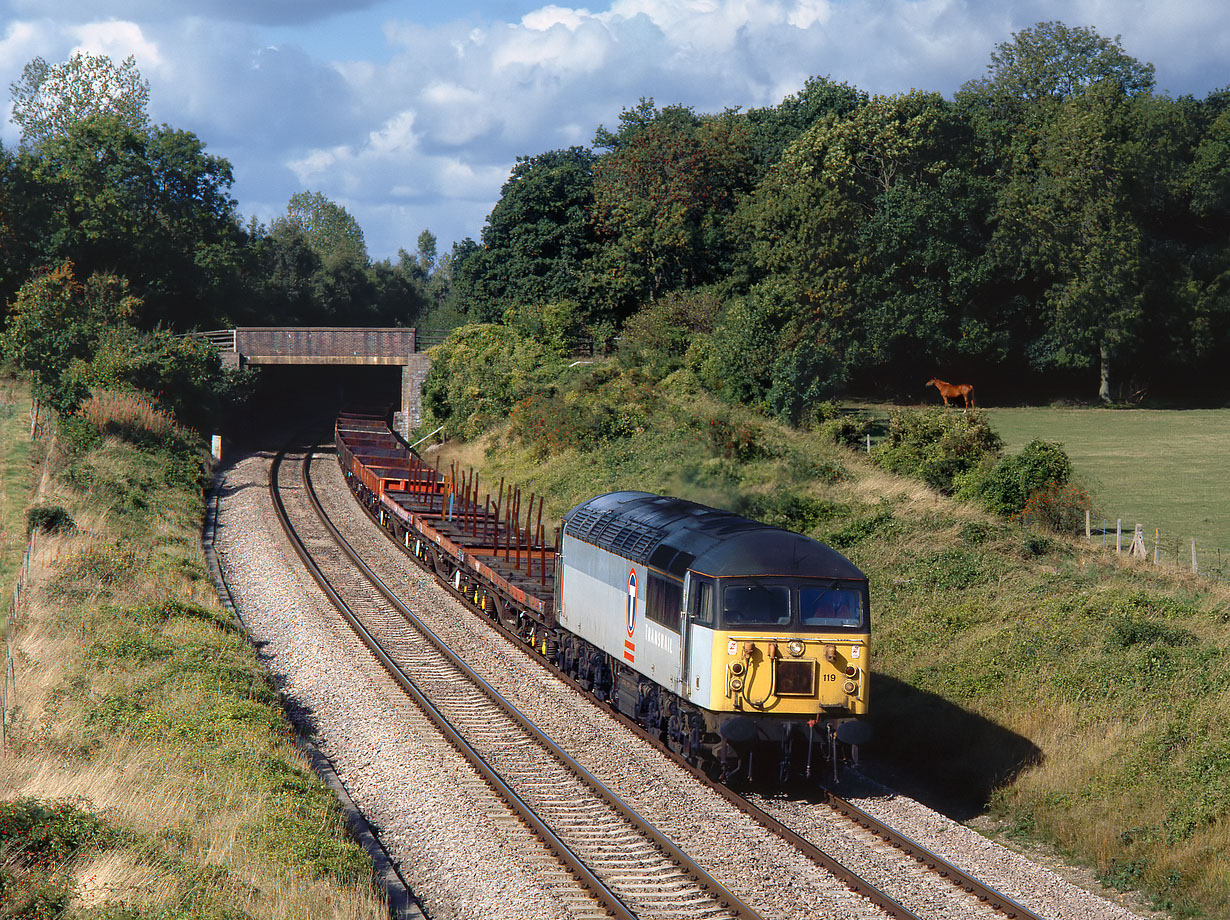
(411, 114)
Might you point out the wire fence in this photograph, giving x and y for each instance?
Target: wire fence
(8, 683)
(1162, 551)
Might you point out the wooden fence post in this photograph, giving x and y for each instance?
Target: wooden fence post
(1088, 530)
(1194, 555)
(1119, 536)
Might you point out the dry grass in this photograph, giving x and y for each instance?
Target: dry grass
(113, 411)
(156, 717)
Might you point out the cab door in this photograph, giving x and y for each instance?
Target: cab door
(698, 593)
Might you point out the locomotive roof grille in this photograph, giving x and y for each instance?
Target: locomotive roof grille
(606, 529)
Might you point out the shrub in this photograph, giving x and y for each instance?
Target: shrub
(936, 445)
(602, 407)
(479, 373)
(1014, 479)
(735, 441)
(49, 519)
(1057, 507)
(846, 430)
(77, 434)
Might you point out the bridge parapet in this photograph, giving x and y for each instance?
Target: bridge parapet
(324, 345)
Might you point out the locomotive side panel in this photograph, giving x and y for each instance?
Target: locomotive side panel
(604, 602)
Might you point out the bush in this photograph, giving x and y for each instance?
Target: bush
(1014, 479)
(77, 434)
(479, 373)
(1056, 507)
(49, 519)
(936, 445)
(602, 407)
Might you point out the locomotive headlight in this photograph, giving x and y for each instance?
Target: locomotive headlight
(795, 647)
(850, 686)
(851, 670)
(736, 667)
(736, 684)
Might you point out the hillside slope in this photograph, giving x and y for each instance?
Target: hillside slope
(1080, 698)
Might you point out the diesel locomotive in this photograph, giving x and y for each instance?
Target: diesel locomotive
(745, 647)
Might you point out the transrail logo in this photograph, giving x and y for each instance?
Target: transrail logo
(629, 645)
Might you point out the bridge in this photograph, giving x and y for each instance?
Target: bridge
(254, 346)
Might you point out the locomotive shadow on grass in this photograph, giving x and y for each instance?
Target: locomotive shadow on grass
(944, 756)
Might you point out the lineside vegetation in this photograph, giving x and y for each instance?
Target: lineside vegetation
(150, 769)
(1020, 672)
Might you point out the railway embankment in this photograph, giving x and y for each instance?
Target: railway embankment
(148, 768)
(1022, 679)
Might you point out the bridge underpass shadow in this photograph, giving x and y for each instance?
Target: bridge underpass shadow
(944, 756)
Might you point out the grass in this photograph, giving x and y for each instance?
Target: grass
(16, 484)
(1165, 469)
(1076, 698)
(145, 715)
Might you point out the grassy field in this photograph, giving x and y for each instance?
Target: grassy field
(1165, 469)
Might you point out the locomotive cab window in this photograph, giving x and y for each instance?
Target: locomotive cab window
(814, 604)
(702, 602)
(756, 604)
(664, 601)
(831, 606)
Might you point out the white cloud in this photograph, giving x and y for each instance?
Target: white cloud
(423, 130)
(118, 40)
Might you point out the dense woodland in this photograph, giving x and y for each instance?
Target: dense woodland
(1055, 229)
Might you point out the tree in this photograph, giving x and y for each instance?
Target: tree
(49, 100)
(663, 197)
(327, 228)
(1052, 62)
(341, 286)
(536, 239)
(58, 320)
(1070, 213)
(427, 252)
(775, 128)
(152, 207)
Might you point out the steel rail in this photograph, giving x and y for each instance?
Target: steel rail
(584, 874)
(942, 867)
(931, 860)
(704, 880)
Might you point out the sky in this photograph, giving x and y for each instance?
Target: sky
(411, 113)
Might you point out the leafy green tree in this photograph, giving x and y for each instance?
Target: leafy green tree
(1069, 213)
(399, 292)
(766, 354)
(426, 258)
(774, 128)
(663, 197)
(1051, 62)
(869, 228)
(341, 289)
(328, 229)
(57, 320)
(153, 208)
(50, 99)
(536, 239)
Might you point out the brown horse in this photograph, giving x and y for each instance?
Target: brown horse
(953, 390)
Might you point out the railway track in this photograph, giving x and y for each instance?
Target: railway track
(984, 894)
(622, 862)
